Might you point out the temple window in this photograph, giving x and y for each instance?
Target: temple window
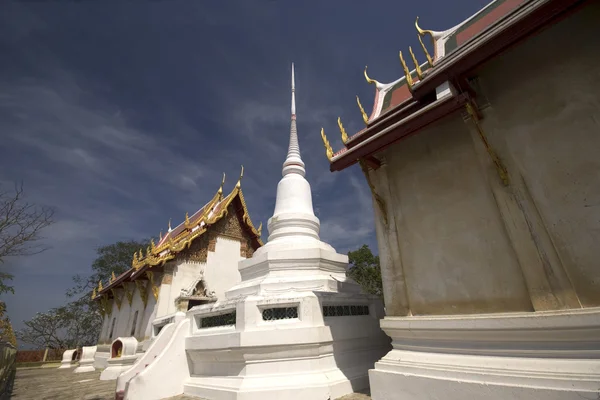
(273, 314)
(134, 324)
(218, 320)
(344, 311)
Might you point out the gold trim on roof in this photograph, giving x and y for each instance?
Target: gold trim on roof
(429, 59)
(369, 80)
(417, 66)
(362, 111)
(407, 74)
(328, 149)
(167, 251)
(342, 130)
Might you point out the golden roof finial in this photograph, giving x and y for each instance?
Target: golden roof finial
(93, 293)
(141, 255)
(220, 192)
(429, 59)
(407, 74)
(112, 276)
(342, 130)
(369, 80)
(417, 66)
(170, 229)
(100, 285)
(260, 229)
(239, 182)
(187, 219)
(148, 252)
(135, 257)
(328, 150)
(152, 245)
(423, 32)
(362, 111)
(160, 236)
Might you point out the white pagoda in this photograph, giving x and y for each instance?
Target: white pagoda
(295, 327)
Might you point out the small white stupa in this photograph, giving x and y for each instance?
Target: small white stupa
(295, 327)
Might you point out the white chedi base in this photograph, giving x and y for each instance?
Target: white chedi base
(303, 356)
(533, 356)
(86, 363)
(68, 358)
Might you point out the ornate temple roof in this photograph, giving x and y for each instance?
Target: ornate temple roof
(411, 99)
(180, 238)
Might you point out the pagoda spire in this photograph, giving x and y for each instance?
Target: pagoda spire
(293, 221)
(293, 162)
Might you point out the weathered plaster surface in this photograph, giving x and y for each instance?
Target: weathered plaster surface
(454, 250)
(546, 126)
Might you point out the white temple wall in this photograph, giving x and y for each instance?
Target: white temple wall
(104, 329)
(164, 293)
(122, 326)
(454, 253)
(184, 275)
(221, 270)
(149, 315)
(137, 305)
(545, 126)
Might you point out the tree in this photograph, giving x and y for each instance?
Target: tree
(365, 270)
(20, 226)
(78, 323)
(111, 258)
(63, 327)
(6, 330)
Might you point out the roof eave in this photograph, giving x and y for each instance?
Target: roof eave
(399, 130)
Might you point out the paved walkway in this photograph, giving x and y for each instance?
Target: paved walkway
(63, 384)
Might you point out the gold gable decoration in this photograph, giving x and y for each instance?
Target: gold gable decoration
(159, 255)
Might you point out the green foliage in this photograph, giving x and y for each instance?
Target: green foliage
(4, 287)
(365, 270)
(6, 330)
(115, 257)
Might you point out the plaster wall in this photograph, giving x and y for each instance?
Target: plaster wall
(149, 316)
(221, 270)
(545, 126)
(454, 251)
(123, 326)
(184, 274)
(137, 305)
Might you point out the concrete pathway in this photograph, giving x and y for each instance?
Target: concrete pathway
(63, 384)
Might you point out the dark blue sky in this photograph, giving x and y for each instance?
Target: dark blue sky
(122, 115)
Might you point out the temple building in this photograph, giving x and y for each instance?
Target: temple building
(192, 264)
(294, 327)
(485, 176)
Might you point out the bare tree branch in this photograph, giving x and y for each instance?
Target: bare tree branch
(21, 224)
